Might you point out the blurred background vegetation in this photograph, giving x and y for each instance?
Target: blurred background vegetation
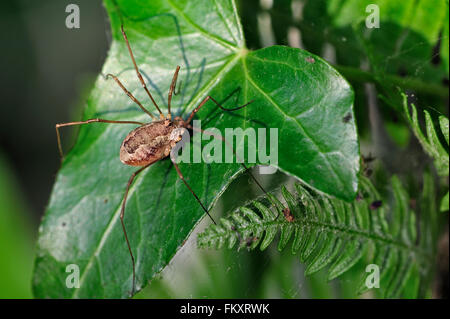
(46, 73)
(48, 70)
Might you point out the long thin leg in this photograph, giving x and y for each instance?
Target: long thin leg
(59, 125)
(122, 214)
(206, 99)
(131, 96)
(171, 90)
(179, 88)
(221, 137)
(189, 187)
(139, 73)
(247, 169)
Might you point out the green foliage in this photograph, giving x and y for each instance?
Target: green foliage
(15, 239)
(330, 232)
(404, 44)
(294, 90)
(445, 42)
(232, 273)
(431, 142)
(408, 31)
(444, 203)
(291, 88)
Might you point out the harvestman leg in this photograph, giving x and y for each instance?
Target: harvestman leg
(133, 176)
(59, 125)
(190, 189)
(122, 214)
(139, 73)
(247, 169)
(206, 99)
(171, 91)
(187, 124)
(131, 96)
(130, 181)
(190, 126)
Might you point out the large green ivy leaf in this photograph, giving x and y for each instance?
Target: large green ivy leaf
(294, 91)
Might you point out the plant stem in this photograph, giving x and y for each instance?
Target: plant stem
(358, 75)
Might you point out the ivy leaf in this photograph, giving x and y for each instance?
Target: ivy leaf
(294, 91)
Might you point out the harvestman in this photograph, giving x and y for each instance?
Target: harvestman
(150, 142)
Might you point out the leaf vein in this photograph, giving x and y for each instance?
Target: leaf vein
(321, 152)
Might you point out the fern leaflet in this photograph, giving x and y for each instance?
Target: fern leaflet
(431, 143)
(330, 232)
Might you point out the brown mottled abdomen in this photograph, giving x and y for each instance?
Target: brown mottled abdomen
(148, 143)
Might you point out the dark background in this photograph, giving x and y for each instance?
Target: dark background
(45, 69)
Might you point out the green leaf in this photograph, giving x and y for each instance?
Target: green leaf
(443, 122)
(410, 31)
(445, 42)
(431, 142)
(293, 90)
(411, 28)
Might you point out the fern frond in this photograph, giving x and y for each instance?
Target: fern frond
(330, 232)
(430, 143)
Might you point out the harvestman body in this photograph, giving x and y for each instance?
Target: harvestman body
(150, 142)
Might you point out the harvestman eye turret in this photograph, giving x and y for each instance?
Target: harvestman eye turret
(150, 142)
